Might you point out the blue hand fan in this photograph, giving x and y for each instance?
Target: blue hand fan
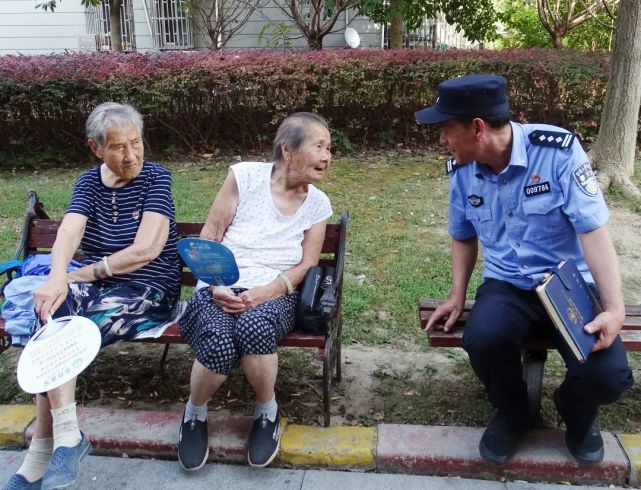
(210, 261)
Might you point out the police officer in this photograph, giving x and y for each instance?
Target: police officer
(528, 194)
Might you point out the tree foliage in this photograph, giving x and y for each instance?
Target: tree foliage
(523, 29)
(559, 17)
(476, 17)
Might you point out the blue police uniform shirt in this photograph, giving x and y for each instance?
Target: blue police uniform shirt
(528, 216)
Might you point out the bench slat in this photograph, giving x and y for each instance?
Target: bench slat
(631, 340)
(630, 334)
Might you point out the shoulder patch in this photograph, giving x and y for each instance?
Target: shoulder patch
(586, 180)
(551, 139)
(450, 166)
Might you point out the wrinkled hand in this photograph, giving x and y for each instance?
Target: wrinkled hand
(227, 300)
(606, 326)
(257, 296)
(445, 315)
(210, 232)
(48, 297)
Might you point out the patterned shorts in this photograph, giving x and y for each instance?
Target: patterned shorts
(120, 311)
(220, 340)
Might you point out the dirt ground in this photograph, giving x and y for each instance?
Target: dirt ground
(413, 385)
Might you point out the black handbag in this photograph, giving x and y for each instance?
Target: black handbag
(309, 313)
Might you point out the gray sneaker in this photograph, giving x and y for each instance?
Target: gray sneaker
(63, 467)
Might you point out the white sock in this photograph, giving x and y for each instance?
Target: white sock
(270, 409)
(37, 459)
(191, 410)
(65, 426)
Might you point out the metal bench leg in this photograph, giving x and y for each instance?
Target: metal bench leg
(533, 367)
(162, 361)
(327, 384)
(339, 357)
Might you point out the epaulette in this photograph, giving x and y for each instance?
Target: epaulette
(450, 166)
(552, 139)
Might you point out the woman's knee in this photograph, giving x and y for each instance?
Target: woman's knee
(255, 335)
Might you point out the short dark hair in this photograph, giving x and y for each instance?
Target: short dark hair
(293, 131)
(493, 121)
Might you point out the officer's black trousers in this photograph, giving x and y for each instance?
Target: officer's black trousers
(502, 320)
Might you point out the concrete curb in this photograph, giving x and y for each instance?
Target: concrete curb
(388, 448)
(14, 420)
(631, 444)
(453, 451)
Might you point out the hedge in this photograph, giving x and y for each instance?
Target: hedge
(200, 101)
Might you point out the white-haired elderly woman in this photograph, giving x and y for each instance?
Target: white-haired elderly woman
(273, 219)
(122, 215)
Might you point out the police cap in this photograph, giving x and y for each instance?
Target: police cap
(476, 95)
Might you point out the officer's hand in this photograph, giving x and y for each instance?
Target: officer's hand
(606, 326)
(445, 315)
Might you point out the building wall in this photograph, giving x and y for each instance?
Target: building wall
(25, 29)
(248, 36)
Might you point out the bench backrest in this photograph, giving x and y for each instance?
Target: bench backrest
(42, 234)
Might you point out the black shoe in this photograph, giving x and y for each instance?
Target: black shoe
(264, 441)
(193, 444)
(587, 448)
(499, 441)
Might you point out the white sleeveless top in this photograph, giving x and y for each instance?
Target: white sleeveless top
(264, 241)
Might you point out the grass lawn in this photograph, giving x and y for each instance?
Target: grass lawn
(397, 251)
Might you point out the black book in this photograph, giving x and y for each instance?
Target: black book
(571, 305)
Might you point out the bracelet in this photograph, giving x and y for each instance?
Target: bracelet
(107, 268)
(288, 283)
(96, 271)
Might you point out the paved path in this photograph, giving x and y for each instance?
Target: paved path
(103, 472)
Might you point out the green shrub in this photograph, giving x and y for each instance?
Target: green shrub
(199, 101)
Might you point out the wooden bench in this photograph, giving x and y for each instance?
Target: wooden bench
(535, 352)
(39, 233)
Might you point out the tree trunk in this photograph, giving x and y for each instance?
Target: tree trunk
(116, 28)
(396, 31)
(557, 40)
(315, 43)
(613, 151)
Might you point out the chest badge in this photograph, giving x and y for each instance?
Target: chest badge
(475, 200)
(586, 180)
(536, 189)
(135, 215)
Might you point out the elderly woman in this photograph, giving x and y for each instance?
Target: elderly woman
(273, 219)
(122, 215)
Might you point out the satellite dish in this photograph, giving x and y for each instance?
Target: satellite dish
(352, 38)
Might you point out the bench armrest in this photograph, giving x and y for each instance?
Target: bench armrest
(331, 297)
(8, 269)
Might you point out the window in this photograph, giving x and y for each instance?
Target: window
(171, 25)
(99, 24)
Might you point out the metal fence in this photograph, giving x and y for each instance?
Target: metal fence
(171, 25)
(435, 33)
(99, 24)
